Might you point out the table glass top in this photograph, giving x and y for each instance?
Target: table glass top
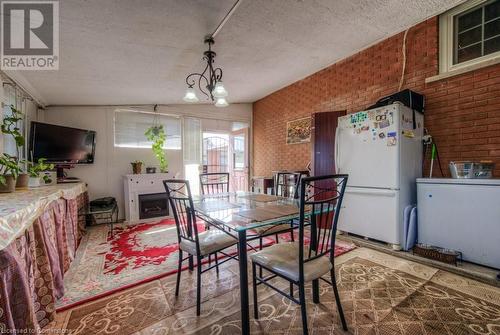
(245, 210)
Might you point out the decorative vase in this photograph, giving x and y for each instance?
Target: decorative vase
(34, 182)
(22, 180)
(10, 185)
(136, 168)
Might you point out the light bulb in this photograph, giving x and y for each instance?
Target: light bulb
(221, 102)
(190, 95)
(219, 91)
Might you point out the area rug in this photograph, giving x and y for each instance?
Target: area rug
(133, 255)
(380, 294)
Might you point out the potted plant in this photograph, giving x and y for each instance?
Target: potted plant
(34, 170)
(10, 126)
(156, 134)
(9, 170)
(136, 167)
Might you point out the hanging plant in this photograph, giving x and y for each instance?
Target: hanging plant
(156, 134)
(10, 126)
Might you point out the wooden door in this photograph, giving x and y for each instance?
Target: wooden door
(324, 127)
(323, 155)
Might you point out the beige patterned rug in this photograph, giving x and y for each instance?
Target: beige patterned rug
(381, 294)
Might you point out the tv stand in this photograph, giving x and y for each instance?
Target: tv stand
(61, 176)
(67, 180)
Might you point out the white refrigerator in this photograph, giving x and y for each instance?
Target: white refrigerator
(381, 151)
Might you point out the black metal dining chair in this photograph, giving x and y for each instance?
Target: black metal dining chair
(214, 182)
(298, 263)
(194, 243)
(286, 185)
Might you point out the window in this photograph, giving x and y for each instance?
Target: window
(469, 36)
(130, 127)
(239, 152)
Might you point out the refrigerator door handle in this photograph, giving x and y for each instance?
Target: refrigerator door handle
(367, 191)
(337, 146)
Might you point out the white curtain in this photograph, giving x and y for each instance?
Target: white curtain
(192, 141)
(192, 152)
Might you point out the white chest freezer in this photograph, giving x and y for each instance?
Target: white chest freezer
(463, 215)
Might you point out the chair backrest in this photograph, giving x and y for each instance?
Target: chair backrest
(181, 202)
(215, 182)
(286, 184)
(322, 196)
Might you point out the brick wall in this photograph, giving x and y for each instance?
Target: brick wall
(462, 112)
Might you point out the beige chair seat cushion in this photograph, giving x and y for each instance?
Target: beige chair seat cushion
(210, 241)
(270, 230)
(283, 258)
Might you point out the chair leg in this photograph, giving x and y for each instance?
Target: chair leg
(302, 298)
(216, 264)
(191, 263)
(315, 291)
(291, 289)
(209, 260)
(198, 287)
(254, 283)
(337, 299)
(291, 232)
(261, 245)
(179, 268)
(277, 239)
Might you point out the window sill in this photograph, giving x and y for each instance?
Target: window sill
(462, 70)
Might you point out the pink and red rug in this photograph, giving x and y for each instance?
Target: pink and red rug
(134, 255)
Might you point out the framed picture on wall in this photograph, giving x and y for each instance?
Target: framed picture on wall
(298, 131)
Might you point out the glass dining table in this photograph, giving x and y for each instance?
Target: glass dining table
(239, 213)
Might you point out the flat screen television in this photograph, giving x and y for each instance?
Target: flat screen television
(61, 145)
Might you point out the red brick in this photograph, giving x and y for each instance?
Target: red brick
(462, 112)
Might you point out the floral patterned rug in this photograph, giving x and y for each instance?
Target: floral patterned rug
(380, 294)
(133, 255)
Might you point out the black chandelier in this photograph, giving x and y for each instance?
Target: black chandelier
(209, 82)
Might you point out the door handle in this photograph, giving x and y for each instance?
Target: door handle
(336, 159)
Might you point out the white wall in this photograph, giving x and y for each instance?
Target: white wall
(104, 177)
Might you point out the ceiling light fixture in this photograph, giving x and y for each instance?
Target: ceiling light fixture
(209, 82)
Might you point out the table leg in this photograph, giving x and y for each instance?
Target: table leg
(242, 257)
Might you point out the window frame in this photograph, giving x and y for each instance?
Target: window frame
(446, 43)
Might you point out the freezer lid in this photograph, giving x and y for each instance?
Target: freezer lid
(452, 181)
(368, 147)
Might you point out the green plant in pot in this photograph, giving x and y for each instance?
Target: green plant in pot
(10, 126)
(9, 170)
(34, 171)
(156, 134)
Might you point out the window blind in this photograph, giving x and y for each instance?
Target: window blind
(130, 127)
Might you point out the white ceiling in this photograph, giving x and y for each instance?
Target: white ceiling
(139, 52)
